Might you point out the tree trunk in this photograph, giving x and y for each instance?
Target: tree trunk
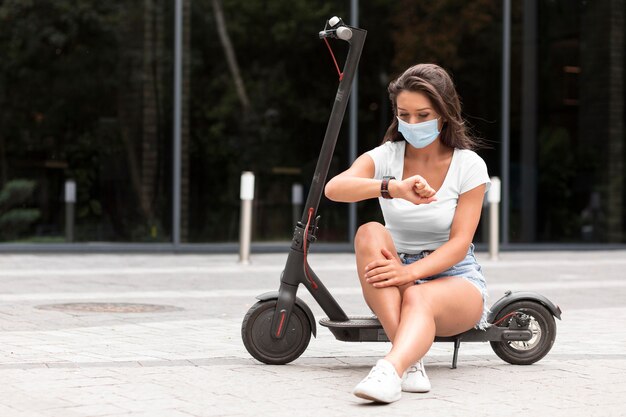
(129, 103)
(231, 58)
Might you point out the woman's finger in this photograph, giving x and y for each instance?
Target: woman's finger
(427, 192)
(426, 200)
(387, 254)
(375, 264)
(380, 277)
(377, 272)
(392, 282)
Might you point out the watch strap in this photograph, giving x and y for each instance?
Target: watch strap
(384, 187)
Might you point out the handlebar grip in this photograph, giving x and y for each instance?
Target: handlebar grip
(344, 33)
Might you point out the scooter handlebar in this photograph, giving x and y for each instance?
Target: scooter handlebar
(335, 28)
(344, 33)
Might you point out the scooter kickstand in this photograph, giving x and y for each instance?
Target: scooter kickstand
(455, 356)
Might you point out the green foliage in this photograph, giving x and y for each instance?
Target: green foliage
(72, 89)
(71, 94)
(289, 78)
(14, 193)
(14, 218)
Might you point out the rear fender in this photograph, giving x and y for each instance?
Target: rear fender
(512, 297)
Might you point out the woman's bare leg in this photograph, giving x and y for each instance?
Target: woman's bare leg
(384, 302)
(443, 307)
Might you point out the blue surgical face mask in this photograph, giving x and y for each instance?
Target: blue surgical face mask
(419, 135)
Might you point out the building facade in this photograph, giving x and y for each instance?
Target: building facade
(128, 124)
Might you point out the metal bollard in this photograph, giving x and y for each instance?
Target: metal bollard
(70, 200)
(297, 198)
(245, 224)
(493, 197)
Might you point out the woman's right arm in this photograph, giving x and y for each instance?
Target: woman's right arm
(354, 184)
(357, 183)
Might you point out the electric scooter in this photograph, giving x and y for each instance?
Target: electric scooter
(277, 329)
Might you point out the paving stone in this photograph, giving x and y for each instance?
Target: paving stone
(192, 362)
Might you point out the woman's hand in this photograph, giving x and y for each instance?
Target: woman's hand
(388, 272)
(414, 189)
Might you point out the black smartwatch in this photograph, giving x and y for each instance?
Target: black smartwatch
(384, 187)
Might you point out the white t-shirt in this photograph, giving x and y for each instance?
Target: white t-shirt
(421, 227)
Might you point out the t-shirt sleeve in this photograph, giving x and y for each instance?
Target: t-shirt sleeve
(475, 174)
(380, 155)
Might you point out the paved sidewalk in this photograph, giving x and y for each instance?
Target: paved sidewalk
(189, 360)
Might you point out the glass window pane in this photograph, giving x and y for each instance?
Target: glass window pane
(262, 89)
(569, 147)
(289, 80)
(85, 92)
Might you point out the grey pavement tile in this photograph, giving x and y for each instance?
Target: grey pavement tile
(192, 362)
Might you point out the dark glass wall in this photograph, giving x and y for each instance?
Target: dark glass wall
(261, 89)
(85, 93)
(268, 111)
(568, 122)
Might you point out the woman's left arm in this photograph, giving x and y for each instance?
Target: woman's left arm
(391, 272)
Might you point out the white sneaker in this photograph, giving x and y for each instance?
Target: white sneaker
(381, 385)
(415, 379)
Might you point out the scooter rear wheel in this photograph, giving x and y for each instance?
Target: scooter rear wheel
(258, 340)
(542, 326)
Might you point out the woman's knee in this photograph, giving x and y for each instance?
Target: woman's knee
(415, 298)
(368, 234)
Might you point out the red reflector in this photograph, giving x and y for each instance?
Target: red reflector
(282, 321)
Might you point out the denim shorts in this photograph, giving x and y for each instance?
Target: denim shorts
(468, 269)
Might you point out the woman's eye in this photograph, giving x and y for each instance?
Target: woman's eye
(424, 115)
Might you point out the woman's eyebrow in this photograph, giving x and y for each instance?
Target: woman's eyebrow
(425, 108)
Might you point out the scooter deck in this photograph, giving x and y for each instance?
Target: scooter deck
(369, 329)
(357, 329)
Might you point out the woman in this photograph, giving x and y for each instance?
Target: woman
(418, 272)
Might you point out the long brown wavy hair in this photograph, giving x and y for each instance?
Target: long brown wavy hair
(437, 85)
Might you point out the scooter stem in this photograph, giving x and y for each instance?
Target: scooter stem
(334, 123)
(293, 274)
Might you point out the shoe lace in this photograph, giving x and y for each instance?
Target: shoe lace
(418, 367)
(377, 373)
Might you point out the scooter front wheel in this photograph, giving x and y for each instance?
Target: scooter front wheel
(258, 340)
(542, 325)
